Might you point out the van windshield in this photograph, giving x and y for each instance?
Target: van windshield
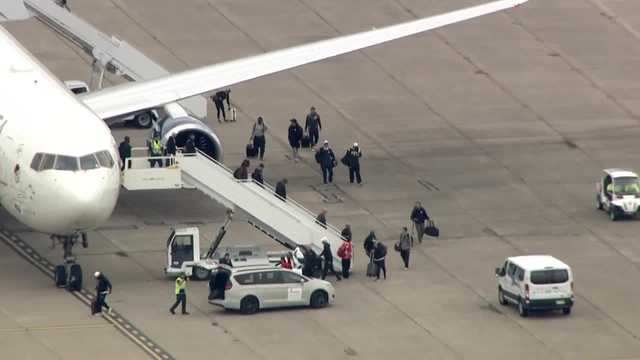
(542, 277)
(626, 186)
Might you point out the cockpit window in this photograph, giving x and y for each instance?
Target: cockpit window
(68, 163)
(89, 162)
(47, 162)
(105, 159)
(35, 163)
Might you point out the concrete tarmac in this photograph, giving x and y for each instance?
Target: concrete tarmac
(500, 126)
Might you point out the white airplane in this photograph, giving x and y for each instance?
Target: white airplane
(59, 171)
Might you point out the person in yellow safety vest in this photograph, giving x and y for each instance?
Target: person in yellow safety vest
(155, 150)
(181, 295)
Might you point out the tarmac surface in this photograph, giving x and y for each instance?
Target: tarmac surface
(500, 126)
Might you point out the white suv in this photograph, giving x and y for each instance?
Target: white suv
(252, 289)
(537, 282)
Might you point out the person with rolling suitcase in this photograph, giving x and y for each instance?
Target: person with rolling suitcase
(418, 217)
(103, 288)
(258, 136)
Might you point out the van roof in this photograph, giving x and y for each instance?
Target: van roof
(538, 262)
(615, 173)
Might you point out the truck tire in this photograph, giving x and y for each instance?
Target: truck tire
(75, 278)
(60, 276)
(143, 120)
(319, 299)
(501, 299)
(522, 309)
(612, 214)
(566, 310)
(200, 273)
(249, 305)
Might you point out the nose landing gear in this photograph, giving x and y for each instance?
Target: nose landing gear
(69, 274)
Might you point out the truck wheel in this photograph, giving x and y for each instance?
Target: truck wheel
(319, 299)
(249, 305)
(501, 298)
(60, 276)
(566, 310)
(522, 310)
(200, 273)
(143, 120)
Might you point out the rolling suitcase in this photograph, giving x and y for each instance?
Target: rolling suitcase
(372, 268)
(251, 151)
(95, 307)
(306, 141)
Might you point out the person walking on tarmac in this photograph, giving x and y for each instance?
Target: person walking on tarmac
(327, 161)
(181, 295)
(258, 136)
(345, 252)
(295, 138)
(103, 288)
(418, 217)
(370, 243)
(352, 158)
(313, 126)
(124, 151)
(404, 245)
(379, 256)
(328, 260)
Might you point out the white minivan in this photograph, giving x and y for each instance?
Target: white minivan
(535, 282)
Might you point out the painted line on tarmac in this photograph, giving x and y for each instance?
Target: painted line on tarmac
(114, 318)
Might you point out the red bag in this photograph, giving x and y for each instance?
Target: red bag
(341, 251)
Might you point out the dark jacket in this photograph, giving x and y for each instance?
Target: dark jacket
(346, 233)
(257, 175)
(312, 122)
(103, 284)
(322, 220)
(379, 252)
(124, 150)
(295, 135)
(241, 173)
(419, 215)
(353, 157)
(170, 148)
(326, 253)
(281, 189)
(189, 147)
(326, 158)
(221, 96)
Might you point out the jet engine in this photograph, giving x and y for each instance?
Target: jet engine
(176, 121)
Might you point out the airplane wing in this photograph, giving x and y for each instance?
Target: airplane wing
(135, 96)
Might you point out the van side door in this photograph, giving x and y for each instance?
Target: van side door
(509, 286)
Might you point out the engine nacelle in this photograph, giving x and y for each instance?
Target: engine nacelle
(177, 122)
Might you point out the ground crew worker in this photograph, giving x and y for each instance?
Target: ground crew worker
(125, 152)
(313, 126)
(155, 150)
(328, 260)
(181, 295)
(419, 216)
(103, 288)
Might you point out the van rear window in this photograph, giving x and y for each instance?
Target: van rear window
(542, 277)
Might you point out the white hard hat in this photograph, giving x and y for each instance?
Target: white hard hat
(326, 141)
(355, 144)
(324, 239)
(96, 274)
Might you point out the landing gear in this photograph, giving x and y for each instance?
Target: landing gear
(69, 274)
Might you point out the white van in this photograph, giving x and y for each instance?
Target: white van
(536, 282)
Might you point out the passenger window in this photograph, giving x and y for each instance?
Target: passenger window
(291, 278)
(47, 162)
(245, 279)
(105, 159)
(68, 163)
(511, 270)
(35, 163)
(520, 274)
(270, 277)
(89, 162)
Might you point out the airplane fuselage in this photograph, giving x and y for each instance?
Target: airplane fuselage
(59, 169)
